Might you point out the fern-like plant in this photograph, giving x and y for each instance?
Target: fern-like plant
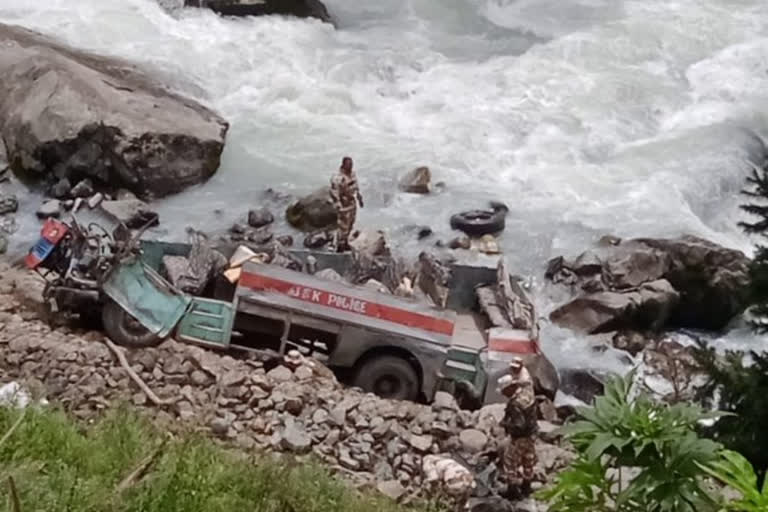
(634, 455)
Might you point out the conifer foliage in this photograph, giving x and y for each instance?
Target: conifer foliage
(757, 191)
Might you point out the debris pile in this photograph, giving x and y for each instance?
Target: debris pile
(292, 405)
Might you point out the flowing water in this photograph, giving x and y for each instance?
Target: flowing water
(587, 117)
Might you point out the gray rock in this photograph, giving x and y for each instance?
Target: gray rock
(298, 8)
(712, 281)
(416, 181)
(473, 441)
(294, 438)
(62, 189)
(347, 461)
(8, 204)
(102, 116)
(51, 208)
(391, 489)
(280, 374)
(330, 275)
(648, 306)
(421, 443)
(219, 426)
(95, 200)
(313, 212)
(444, 401)
(320, 416)
(317, 240)
(303, 373)
(134, 213)
(3, 243)
(260, 218)
(83, 189)
(285, 240)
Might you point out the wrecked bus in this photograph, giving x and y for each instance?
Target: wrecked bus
(395, 347)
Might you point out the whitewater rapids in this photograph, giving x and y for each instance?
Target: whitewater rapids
(587, 117)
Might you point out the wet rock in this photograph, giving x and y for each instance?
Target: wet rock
(416, 181)
(62, 189)
(260, 218)
(100, 116)
(83, 189)
(424, 232)
(313, 212)
(8, 204)
(461, 242)
(259, 236)
(285, 240)
(134, 213)
(473, 441)
(711, 280)
(631, 341)
(649, 306)
(48, 209)
(583, 384)
(298, 8)
(317, 240)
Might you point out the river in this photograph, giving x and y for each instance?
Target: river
(587, 117)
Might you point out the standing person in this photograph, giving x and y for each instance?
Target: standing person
(520, 424)
(345, 194)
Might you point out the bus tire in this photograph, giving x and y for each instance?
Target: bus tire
(389, 377)
(124, 330)
(479, 222)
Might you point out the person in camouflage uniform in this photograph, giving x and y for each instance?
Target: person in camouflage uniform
(520, 424)
(345, 195)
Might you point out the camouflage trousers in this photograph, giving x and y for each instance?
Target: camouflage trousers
(346, 220)
(518, 462)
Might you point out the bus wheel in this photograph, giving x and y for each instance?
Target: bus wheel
(125, 330)
(389, 377)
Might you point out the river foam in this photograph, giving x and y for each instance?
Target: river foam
(636, 118)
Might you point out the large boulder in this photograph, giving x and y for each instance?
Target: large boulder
(622, 285)
(416, 181)
(299, 8)
(312, 212)
(648, 306)
(65, 113)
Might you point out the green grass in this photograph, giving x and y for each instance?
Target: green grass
(61, 465)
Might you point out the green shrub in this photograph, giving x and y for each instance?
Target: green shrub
(736, 472)
(629, 434)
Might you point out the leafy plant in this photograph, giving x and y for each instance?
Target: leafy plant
(740, 389)
(735, 471)
(654, 445)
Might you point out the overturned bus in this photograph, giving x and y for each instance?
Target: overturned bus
(396, 347)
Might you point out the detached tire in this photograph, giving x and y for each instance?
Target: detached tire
(125, 330)
(388, 377)
(480, 222)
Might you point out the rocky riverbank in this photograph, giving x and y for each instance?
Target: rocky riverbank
(289, 406)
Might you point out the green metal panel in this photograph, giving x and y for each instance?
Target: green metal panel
(207, 321)
(152, 252)
(148, 297)
(463, 364)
